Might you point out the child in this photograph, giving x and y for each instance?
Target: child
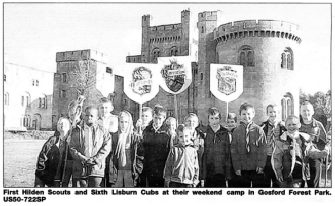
(123, 153)
(89, 146)
(141, 124)
(171, 123)
(192, 121)
(145, 119)
(288, 159)
(273, 129)
(49, 163)
(231, 124)
(248, 150)
(154, 149)
(216, 160)
(182, 168)
(106, 119)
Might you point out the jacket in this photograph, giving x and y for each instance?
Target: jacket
(271, 142)
(153, 151)
(290, 163)
(243, 160)
(315, 127)
(217, 159)
(182, 165)
(113, 163)
(48, 161)
(101, 145)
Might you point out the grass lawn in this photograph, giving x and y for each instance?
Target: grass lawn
(20, 162)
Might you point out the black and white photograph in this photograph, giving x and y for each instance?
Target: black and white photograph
(166, 98)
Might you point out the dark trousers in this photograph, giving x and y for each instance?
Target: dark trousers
(315, 173)
(177, 184)
(154, 182)
(269, 175)
(249, 178)
(218, 180)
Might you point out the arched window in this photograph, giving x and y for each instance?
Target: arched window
(6, 99)
(202, 29)
(246, 56)
(284, 109)
(283, 61)
(242, 58)
(155, 55)
(201, 76)
(173, 51)
(287, 59)
(250, 58)
(22, 101)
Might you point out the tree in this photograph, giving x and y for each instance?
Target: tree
(83, 77)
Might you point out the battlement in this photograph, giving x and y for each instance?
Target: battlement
(134, 58)
(260, 28)
(81, 55)
(185, 13)
(166, 27)
(209, 16)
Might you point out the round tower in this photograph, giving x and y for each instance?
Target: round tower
(268, 51)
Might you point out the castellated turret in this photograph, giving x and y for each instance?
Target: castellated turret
(269, 53)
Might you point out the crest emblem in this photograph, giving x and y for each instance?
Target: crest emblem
(226, 80)
(141, 81)
(174, 75)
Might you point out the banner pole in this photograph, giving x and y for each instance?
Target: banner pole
(139, 117)
(227, 111)
(175, 107)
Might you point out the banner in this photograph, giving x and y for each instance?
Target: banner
(141, 81)
(175, 73)
(226, 81)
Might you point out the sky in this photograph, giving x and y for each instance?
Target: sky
(34, 32)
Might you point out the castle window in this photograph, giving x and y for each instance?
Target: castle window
(196, 91)
(4, 77)
(287, 60)
(202, 29)
(63, 94)
(37, 83)
(33, 82)
(109, 70)
(247, 57)
(156, 54)
(64, 77)
(201, 76)
(6, 99)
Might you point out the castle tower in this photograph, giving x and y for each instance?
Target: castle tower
(145, 52)
(207, 22)
(269, 53)
(70, 78)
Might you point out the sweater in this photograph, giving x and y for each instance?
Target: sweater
(217, 159)
(153, 151)
(182, 165)
(241, 158)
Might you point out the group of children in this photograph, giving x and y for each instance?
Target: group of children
(107, 150)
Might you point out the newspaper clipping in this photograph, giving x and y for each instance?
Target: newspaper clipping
(167, 103)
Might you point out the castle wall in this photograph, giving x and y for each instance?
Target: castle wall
(18, 84)
(67, 90)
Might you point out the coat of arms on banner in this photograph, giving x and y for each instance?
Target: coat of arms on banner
(141, 81)
(174, 75)
(226, 80)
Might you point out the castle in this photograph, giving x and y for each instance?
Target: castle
(267, 49)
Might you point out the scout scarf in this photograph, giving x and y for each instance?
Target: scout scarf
(124, 139)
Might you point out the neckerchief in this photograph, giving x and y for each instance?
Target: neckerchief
(247, 135)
